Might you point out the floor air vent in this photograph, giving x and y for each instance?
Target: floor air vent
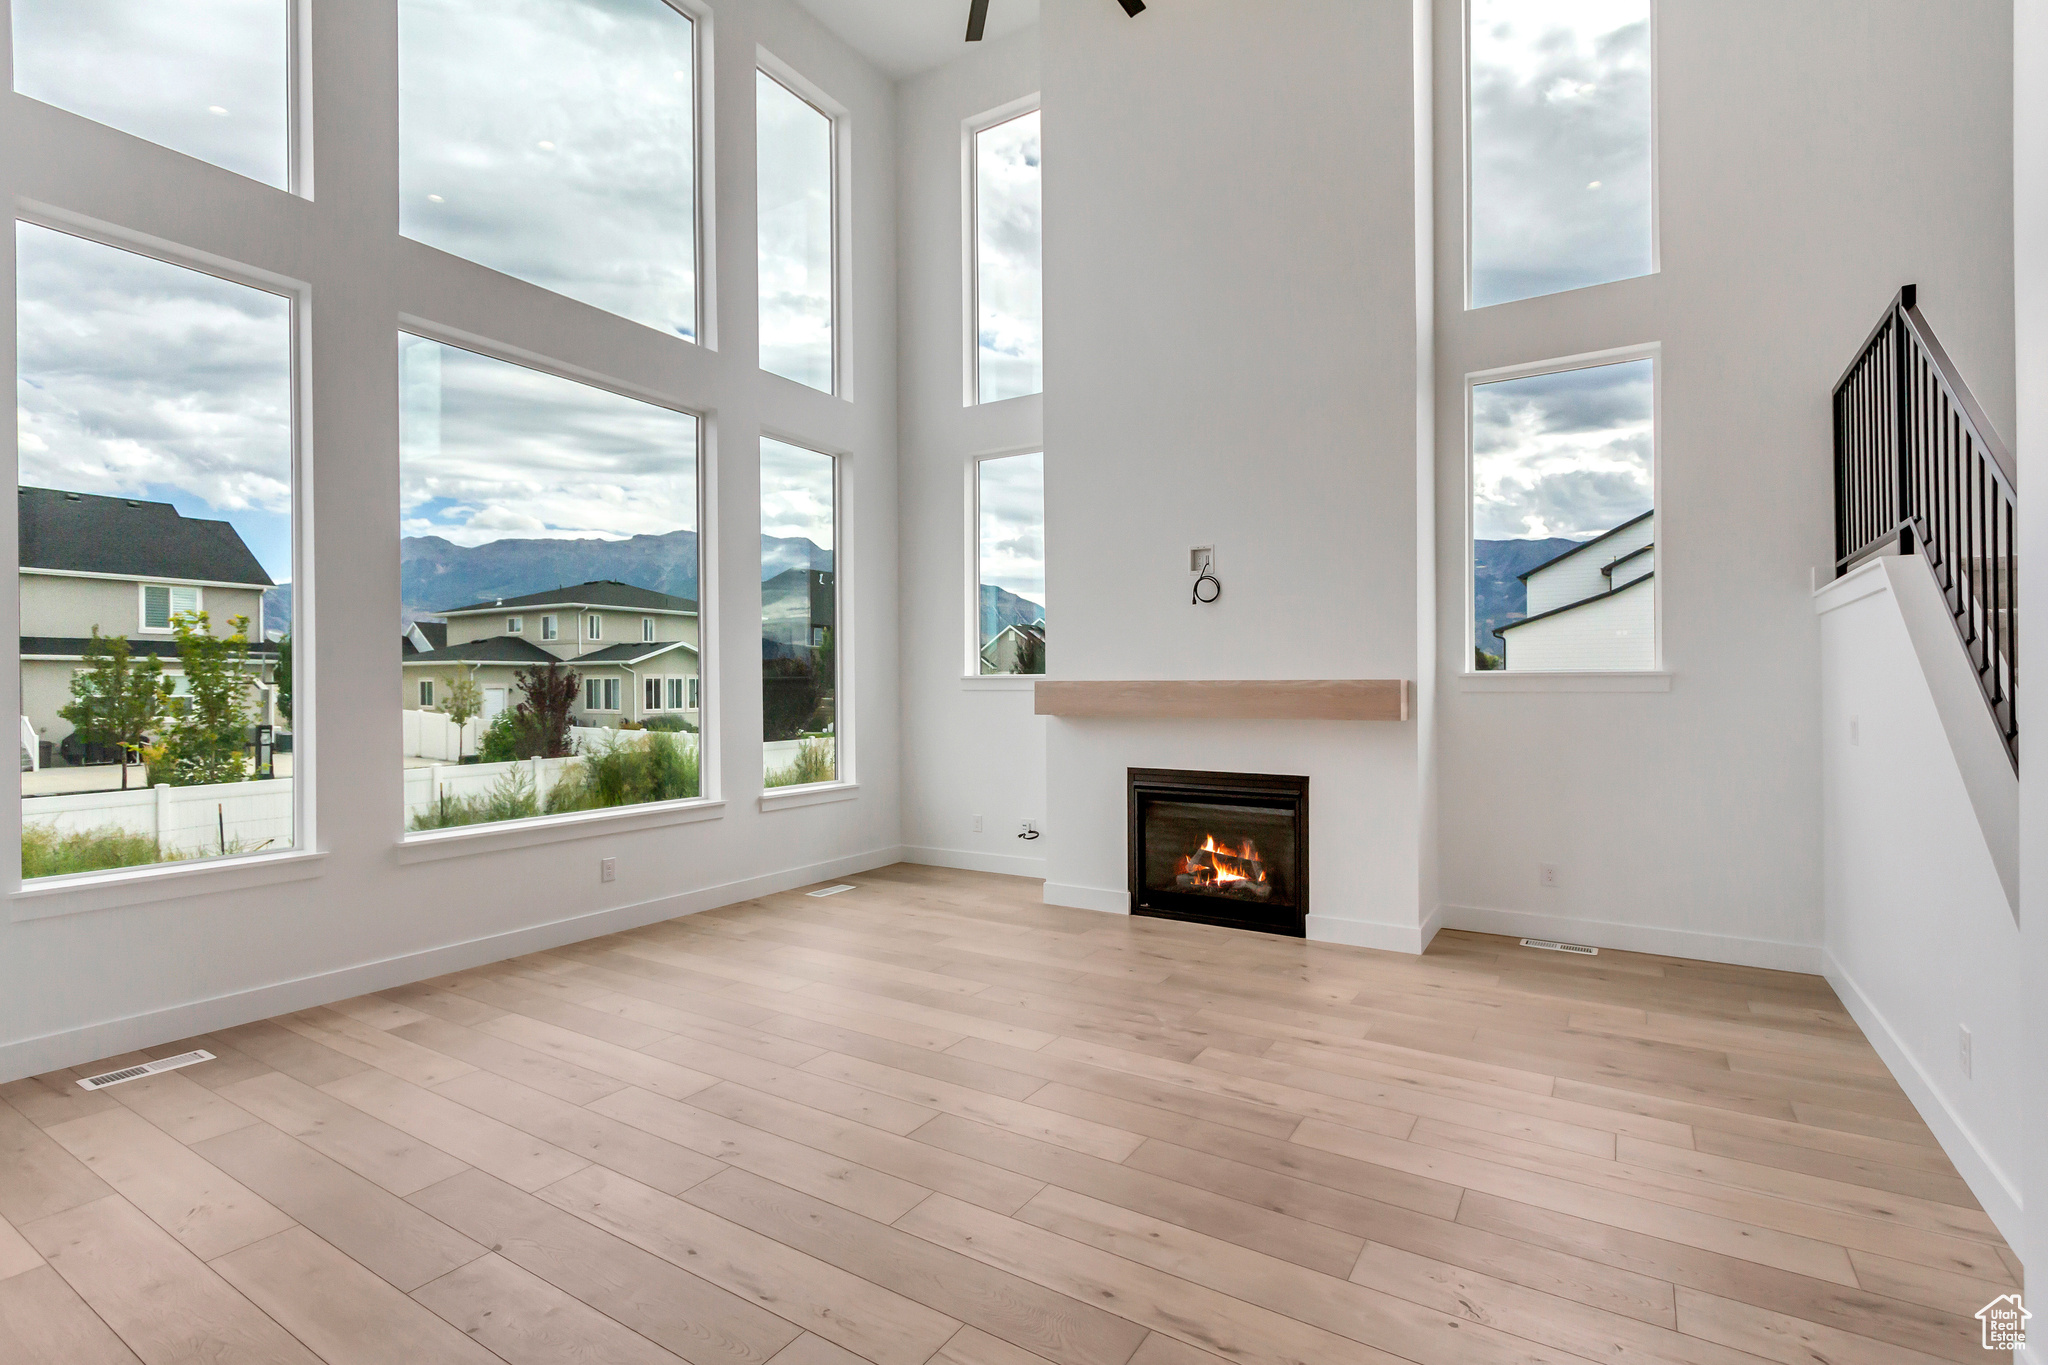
(833, 890)
(1551, 946)
(105, 1079)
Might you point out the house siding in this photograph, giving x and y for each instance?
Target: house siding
(1577, 576)
(1613, 632)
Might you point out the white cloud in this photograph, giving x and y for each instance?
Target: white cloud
(1011, 248)
(793, 163)
(1565, 454)
(1013, 524)
(796, 493)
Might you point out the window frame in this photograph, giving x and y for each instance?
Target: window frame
(426, 694)
(550, 627)
(515, 625)
(593, 625)
(171, 612)
(971, 674)
(840, 120)
(970, 239)
(1656, 677)
(846, 782)
(1656, 162)
(647, 630)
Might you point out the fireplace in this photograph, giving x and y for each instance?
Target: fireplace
(1220, 848)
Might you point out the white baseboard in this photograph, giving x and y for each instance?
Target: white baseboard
(1358, 933)
(1116, 902)
(53, 1051)
(1636, 938)
(1994, 1190)
(973, 860)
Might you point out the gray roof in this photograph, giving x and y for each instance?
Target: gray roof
(88, 533)
(630, 653)
(1501, 633)
(1585, 545)
(73, 647)
(603, 593)
(499, 649)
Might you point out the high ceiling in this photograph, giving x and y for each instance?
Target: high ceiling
(904, 37)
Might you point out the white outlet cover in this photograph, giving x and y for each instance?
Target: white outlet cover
(1963, 1047)
(608, 869)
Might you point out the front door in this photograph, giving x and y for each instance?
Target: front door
(494, 702)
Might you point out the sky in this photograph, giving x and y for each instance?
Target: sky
(1010, 251)
(554, 140)
(1560, 145)
(490, 450)
(1013, 524)
(142, 379)
(796, 494)
(1565, 454)
(793, 160)
(205, 77)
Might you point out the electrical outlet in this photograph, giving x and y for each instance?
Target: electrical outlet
(1856, 730)
(1546, 874)
(608, 869)
(1202, 559)
(977, 824)
(1963, 1047)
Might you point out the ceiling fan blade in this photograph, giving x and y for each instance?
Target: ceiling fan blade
(1132, 7)
(977, 20)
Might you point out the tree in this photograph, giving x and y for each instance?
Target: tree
(546, 697)
(284, 678)
(116, 700)
(209, 723)
(464, 703)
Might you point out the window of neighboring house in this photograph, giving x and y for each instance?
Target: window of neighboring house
(168, 392)
(1009, 565)
(163, 603)
(799, 608)
(556, 143)
(426, 693)
(1561, 146)
(1564, 525)
(1009, 358)
(795, 180)
(515, 625)
(593, 627)
(680, 697)
(501, 458)
(647, 630)
(650, 694)
(209, 78)
(693, 695)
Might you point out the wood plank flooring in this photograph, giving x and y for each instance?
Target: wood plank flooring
(934, 1122)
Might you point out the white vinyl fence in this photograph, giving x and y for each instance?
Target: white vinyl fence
(429, 734)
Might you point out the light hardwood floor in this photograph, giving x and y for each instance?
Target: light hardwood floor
(932, 1120)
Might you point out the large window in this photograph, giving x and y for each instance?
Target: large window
(799, 617)
(523, 490)
(555, 140)
(1009, 579)
(794, 155)
(155, 518)
(1561, 148)
(1008, 251)
(209, 78)
(1564, 526)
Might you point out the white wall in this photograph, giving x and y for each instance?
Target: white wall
(1921, 937)
(971, 746)
(1812, 158)
(81, 985)
(1231, 360)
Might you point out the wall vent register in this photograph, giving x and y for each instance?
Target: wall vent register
(129, 1073)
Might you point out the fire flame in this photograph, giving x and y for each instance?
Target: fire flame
(1215, 864)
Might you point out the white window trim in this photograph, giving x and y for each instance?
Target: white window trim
(1472, 679)
(515, 625)
(970, 237)
(142, 626)
(1656, 161)
(550, 628)
(593, 626)
(845, 528)
(840, 119)
(647, 630)
(425, 694)
(971, 675)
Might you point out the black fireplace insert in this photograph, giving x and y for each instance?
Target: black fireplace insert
(1220, 848)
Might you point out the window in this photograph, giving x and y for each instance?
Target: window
(693, 694)
(593, 627)
(154, 405)
(163, 603)
(799, 596)
(1561, 158)
(1008, 247)
(794, 154)
(209, 78)
(426, 693)
(647, 630)
(496, 465)
(651, 694)
(556, 142)
(1009, 576)
(682, 694)
(1564, 531)
(515, 625)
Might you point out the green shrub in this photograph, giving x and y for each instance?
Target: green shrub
(815, 762)
(46, 853)
(510, 798)
(500, 741)
(627, 772)
(672, 724)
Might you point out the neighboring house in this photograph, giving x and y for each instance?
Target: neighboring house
(797, 618)
(1014, 647)
(125, 567)
(1592, 607)
(634, 649)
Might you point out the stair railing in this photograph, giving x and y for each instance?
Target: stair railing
(1919, 468)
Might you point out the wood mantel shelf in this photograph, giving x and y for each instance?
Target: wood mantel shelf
(1219, 699)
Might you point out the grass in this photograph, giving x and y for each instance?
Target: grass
(510, 798)
(46, 853)
(651, 766)
(815, 761)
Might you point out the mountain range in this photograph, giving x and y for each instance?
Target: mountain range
(1498, 593)
(1000, 608)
